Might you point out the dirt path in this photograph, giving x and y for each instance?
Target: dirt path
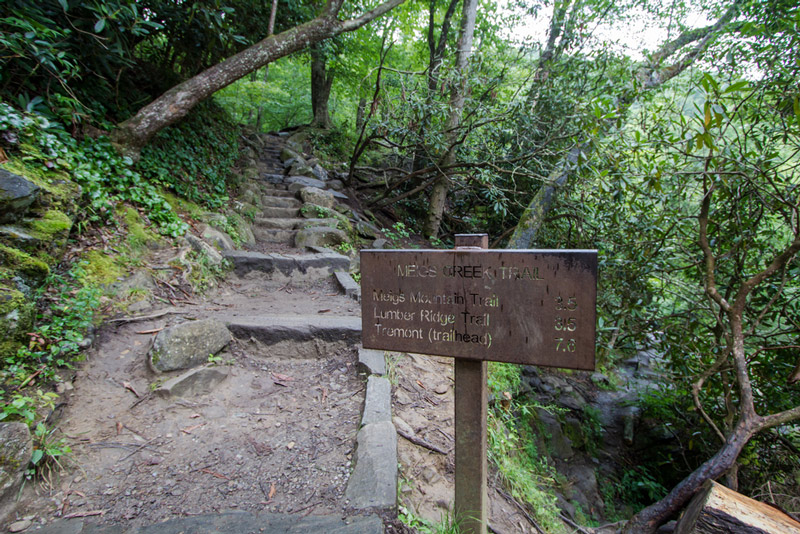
(276, 436)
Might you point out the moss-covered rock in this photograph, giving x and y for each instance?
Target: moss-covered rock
(16, 262)
(16, 318)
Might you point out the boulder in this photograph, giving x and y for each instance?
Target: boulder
(317, 196)
(366, 229)
(217, 238)
(287, 154)
(16, 196)
(187, 345)
(319, 172)
(16, 448)
(319, 236)
(336, 185)
(300, 168)
(214, 257)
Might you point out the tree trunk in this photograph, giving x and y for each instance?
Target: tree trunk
(270, 31)
(458, 97)
(131, 135)
(435, 57)
(321, 82)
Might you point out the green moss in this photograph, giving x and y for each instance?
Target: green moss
(138, 235)
(23, 263)
(100, 269)
(52, 224)
(16, 318)
(184, 206)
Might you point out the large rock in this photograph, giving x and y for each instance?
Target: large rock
(16, 196)
(315, 195)
(16, 448)
(373, 483)
(188, 345)
(219, 239)
(200, 246)
(319, 236)
(320, 172)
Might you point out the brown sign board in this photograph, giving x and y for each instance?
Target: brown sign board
(534, 307)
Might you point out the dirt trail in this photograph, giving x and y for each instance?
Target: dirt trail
(276, 436)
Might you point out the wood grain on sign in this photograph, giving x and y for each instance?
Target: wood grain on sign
(519, 306)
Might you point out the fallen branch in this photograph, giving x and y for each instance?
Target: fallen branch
(422, 443)
(146, 317)
(88, 513)
(522, 509)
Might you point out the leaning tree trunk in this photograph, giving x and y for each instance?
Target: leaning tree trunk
(321, 81)
(130, 136)
(457, 99)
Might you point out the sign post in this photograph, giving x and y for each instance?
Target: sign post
(531, 307)
(471, 399)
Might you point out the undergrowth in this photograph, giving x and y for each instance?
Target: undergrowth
(105, 177)
(512, 448)
(197, 171)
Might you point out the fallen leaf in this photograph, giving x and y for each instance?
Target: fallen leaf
(290, 445)
(324, 311)
(281, 380)
(119, 428)
(324, 394)
(128, 386)
(420, 385)
(194, 416)
(272, 491)
(214, 474)
(188, 429)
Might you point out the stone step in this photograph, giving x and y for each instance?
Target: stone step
(229, 523)
(293, 223)
(274, 235)
(269, 201)
(282, 267)
(278, 223)
(298, 336)
(275, 178)
(269, 191)
(281, 213)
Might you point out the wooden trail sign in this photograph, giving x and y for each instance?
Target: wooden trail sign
(520, 306)
(533, 307)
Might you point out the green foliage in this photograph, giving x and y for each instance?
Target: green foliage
(396, 234)
(503, 377)
(25, 409)
(68, 54)
(105, 177)
(48, 452)
(448, 524)
(194, 157)
(58, 337)
(592, 429)
(524, 471)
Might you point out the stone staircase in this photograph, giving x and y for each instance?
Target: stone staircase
(287, 330)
